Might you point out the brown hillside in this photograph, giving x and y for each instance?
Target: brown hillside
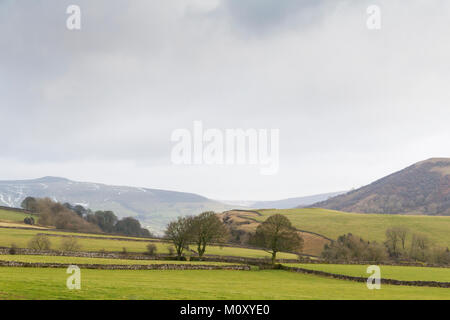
(242, 222)
(423, 188)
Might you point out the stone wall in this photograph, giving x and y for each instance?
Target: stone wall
(251, 261)
(135, 256)
(83, 254)
(361, 279)
(125, 267)
(385, 263)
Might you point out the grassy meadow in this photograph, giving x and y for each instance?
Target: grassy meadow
(50, 283)
(405, 273)
(332, 223)
(21, 237)
(14, 216)
(34, 283)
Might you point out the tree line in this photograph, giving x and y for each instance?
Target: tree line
(400, 245)
(77, 218)
(275, 234)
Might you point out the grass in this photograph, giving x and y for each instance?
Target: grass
(332, 223)
(243, 252)
(21, 238)
(14, 216)
(405, 273)
(35, 283)
(104, 261)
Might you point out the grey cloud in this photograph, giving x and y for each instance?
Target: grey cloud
(261, 16)
(114, 91)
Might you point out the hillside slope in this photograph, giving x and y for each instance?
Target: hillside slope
(154, 208)
(423, 188)
(332, 224)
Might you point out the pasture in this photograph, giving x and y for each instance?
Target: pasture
(14, 216)
(332, 223)
(50, 283)
(21, 237)
(405, 273)
(42, 283)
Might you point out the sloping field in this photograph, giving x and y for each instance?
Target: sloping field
(332, 223)
(21, 237)
(248, 220)
(405, 273)
(41, 283)
(14, 216)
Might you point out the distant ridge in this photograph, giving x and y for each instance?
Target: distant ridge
(153, 207)
(294, 202)
(423, 188)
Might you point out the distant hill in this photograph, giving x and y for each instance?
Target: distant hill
(154, 208)
(285, 203)
(423, 188)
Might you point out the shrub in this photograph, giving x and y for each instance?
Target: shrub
(176, 258)
(353, 248)
(70, 244)
(151, 249)
(13, 249)
(171, 251)
(39, 242)
(29, 220)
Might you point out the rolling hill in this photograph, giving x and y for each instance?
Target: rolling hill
(154, 208)
(423, 188)
(332, 224)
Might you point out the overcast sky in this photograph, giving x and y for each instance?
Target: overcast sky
(99, 104)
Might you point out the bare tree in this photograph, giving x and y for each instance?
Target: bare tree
(206, 229)
(151, 249)
(70, 244)
(39, 242)
(420, 246)
(179, 232)
(402, 234)
(394, 241)
(277, 234)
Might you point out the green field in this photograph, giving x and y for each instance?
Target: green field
(43, 283)
(388, 272)
(369, 226)
(104, 261)
(7, 215)
(21, 237)
(34, 283)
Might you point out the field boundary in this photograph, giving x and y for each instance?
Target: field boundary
(168, 266)
(299, 230)
(105, 237)
(137, 257)
(361, 279)
(16, 210)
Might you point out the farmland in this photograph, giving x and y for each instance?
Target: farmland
(21, 237)
(50, 283)
(34, 283)
(100, 261)
(406, 273)
(14, 216)
(332, 223)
